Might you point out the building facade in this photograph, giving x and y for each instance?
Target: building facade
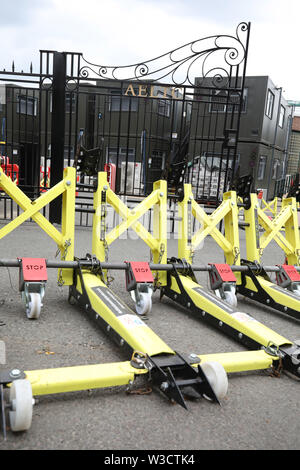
(293, 165)
(140, 127)
(264, 131)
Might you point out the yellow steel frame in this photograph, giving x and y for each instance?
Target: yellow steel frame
(156, 242)
(31, 209)
(288, 241)
(86, 377)
(228, 210)
(272, 206)
(241, 322)
(287, 217)
(141, 339)
(128, 325)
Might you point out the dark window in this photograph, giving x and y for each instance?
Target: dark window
(122, 102)
(221, 101)
(164, 105)
(270, 104)
(261, 168)
(26, 105)
(281, 116)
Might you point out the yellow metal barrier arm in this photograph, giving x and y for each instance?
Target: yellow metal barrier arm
(156, 242)
(228, 211)
(85, 377)
(64, 240)
(68, 224)
(289, 243)
(24, 202)
(292, 231)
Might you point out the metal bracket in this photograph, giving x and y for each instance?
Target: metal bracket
(6, 377)
(176, 378)
(289, 278)
(242, 185)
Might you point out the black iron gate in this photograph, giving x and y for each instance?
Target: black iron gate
(174, 117)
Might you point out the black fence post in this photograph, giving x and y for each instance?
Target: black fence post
(57, 131)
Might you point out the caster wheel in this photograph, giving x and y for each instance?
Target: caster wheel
(218, 293)
(230, 298)
(296, 291)
(217, 378)
(33, 310)
(144, 305)
(21, 402)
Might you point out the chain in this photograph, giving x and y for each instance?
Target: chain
(236, 254)
(273, 350)
(67, 243)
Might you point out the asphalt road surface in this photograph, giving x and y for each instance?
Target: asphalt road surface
(260, 412)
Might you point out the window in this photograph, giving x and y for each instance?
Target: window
(70, 102)
(164, 106)
(270, 104)
(124, 154)
(120, 102)
(2, 97)
(157, 160)
(277, 171)
(234, 100)
(261, 168)
(26, 105)
(216, 162)
(220, 101)
(281, 116)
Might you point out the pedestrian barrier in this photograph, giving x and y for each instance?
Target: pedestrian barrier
(175, 375)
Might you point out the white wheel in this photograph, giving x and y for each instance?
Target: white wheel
(230, 298)
(296, 291)
(217, 377)
(21, 402)
(145, 304)
(218, 293)
(34, 308)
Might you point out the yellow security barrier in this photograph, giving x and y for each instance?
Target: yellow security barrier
(156, 242)
(287, 217)
(227, 211)
(31, 209)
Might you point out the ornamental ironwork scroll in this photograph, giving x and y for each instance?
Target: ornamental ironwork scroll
(219, 57)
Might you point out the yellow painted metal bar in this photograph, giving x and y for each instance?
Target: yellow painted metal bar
(24, 202)
(34, 207)
(124, 212)
(210, 223)
(231, 224)
(85, 377)
(292, 231)
(185, 244)
(268, 206)
(68, 224)
(125, 322)
(157, 242)
(274, 226)
(255, 244)
(252, 234)
(160, 230)
(133, 216)
(240, 321)
(99, 218)
(241, 361)
(71, 379)
(278, 294)
(228, 211)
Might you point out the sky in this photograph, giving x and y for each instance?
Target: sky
(122, 32)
